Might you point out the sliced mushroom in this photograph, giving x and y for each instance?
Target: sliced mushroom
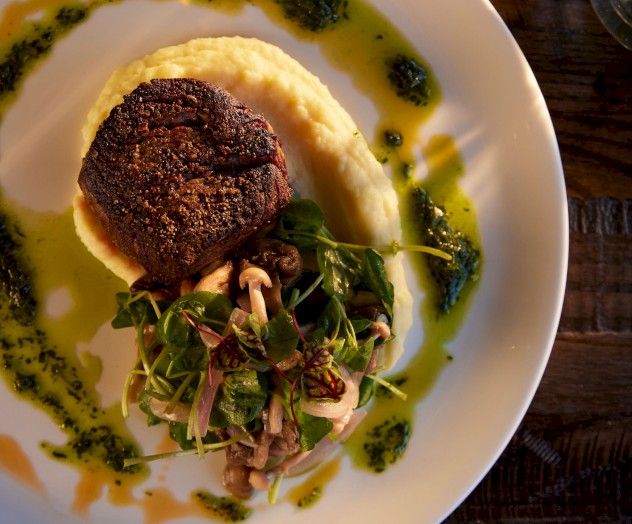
(273, 419)
(187, 286)
(217, 281)
(287, 442)
(260, 456)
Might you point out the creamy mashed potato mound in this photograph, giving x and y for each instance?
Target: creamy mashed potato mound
(328, 159)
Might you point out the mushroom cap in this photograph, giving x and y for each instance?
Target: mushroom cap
(380, 329)
(254, 275)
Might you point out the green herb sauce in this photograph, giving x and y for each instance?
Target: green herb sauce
(445, 168)
(223, 508)
(310, 498)
(386, 442)
(312, 489)
(14, 281)
(313, 15)
(32, 41)
(364, 44)
(37, 349)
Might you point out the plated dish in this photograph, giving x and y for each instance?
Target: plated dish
(494, 112)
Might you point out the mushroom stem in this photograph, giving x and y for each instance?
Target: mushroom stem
(257, 302)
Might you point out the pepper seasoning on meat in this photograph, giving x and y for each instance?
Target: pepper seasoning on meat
(181, 173)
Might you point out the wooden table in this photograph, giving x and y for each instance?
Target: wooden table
(571, 460)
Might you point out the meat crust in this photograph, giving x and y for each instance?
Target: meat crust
(181, 173)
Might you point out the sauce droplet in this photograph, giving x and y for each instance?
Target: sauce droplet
(14, 460)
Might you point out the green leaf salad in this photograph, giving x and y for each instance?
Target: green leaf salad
(268, 355)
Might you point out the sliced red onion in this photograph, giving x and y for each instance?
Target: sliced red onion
(291, 462)
(209, 337)
(342, 408)
(149, 332)
(324, 409)
(237, 317)
(136, 387)
(352, 395)
(207, 397)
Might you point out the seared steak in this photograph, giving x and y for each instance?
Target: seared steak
(181, 173)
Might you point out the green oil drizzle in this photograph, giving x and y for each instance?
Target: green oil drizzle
(39, 360)
(312, 489)
(32, 40)
(445, 168)
(63, 263)
(222, 508)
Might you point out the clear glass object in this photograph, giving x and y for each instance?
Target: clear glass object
(616, 16)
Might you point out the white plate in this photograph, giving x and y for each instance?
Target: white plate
(494, 109)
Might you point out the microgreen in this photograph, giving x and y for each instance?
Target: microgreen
(312, 430)
(302, 223)
(228, 355)
(373, 276)
(242, 396)
(202, 307)
(339, 268)
(134, 309)
(392, 388)
(184, 452)
(280, 337)
(320, 377)
(274, 490)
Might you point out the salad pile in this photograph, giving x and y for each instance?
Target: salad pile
(268, 355)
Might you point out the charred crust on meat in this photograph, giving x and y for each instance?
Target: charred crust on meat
(181, 173)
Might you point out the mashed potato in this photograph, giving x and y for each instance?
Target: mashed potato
(328, 159)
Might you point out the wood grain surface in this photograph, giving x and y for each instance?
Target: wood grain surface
(571, 458)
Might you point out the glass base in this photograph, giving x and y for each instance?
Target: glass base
(616, 16)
